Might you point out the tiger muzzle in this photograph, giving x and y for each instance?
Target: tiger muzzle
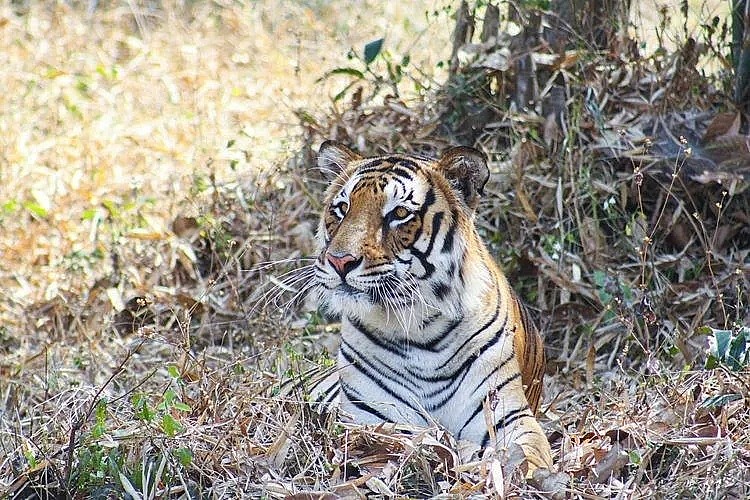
(343, 263)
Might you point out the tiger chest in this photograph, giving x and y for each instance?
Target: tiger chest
(403, 382)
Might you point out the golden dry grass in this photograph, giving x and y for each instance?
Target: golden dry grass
(127, 104)
(149, 161)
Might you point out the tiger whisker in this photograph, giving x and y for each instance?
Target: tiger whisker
(411, 282)
(290, 288)
(400, 318)
(286, 285)
(382, 297)
(262, 266)
(295, 299)
(340, 175)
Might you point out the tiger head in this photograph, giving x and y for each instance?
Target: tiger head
(395, 231)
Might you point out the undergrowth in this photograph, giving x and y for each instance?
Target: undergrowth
(162, 370)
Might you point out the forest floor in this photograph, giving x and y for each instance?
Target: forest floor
(154, 189)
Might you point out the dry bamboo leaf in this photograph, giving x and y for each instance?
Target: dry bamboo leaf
(722, 124)
(377, 486)
(551, 483)
(278, 451)
(610, 465)
(590, 364)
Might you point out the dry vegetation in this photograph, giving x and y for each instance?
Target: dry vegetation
(154, 166)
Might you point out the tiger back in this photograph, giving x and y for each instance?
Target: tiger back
(431, 329)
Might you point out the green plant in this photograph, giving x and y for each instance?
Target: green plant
(365, 70)
(612, 293)
(98, 457)
(727, 348)
(162, 413)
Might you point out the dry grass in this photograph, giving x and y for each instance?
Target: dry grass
(153, 164)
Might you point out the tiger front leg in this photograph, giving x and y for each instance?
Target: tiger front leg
(526, 433)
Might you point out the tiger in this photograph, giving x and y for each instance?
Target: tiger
(431, 331)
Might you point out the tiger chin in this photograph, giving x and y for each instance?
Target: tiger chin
(431, 330)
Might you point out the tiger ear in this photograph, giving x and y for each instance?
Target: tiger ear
(466, 169)
(334, 157)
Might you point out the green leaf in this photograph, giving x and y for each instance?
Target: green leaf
(184, 455)
(357, 74)
(170, 426)
(712, 362)
(727, 348)
(111, 207)
(30, 458)
(141, 408)
(88, 214)
(347, 71)
(600, 278)
(173, 371)
(10, 207)
(723, 337)
(737, 352)
(101, 411)
(719, 400)
(703, 330)
(635, 457)
(372, 50)
(341, 94)
(169, 398)
(35, 209)
(179, 405)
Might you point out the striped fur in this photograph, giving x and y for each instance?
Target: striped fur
(431, 330)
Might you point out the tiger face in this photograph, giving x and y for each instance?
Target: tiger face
(388, 230)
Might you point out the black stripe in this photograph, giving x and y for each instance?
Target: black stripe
(362, 184)
(437, 219)
(477, 333)
(378, 339)
(423, 256)
(332, 393)
(398, 347)
(373, 165)
(465, 365)
(429, 199)
(449, 236)
(366, 368)
(447, 397)
(507, 419)
(406, 162)
(357, 400)
(375, 272)
(398, 181)
(440, 289)
(400, 171)
(529, 330)
(376, 171)
(498, 368)
(481, 402)
(433, 344)
(430, 319)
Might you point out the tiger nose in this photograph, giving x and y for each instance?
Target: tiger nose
(343, 263)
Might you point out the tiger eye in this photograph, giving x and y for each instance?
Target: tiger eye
(401, 212)
(340, 209)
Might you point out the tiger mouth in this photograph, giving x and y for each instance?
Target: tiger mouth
(398, 297)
